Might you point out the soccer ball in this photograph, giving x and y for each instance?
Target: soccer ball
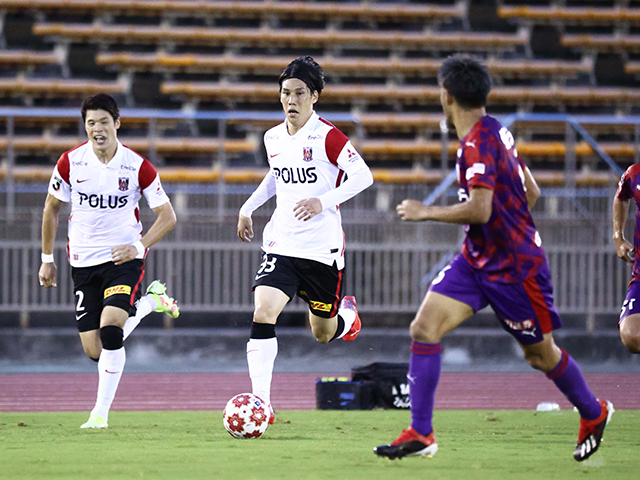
(245, 416)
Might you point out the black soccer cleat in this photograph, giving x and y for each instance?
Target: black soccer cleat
(591, 431)
(409, 443)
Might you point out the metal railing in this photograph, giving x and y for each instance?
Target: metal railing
(216, 277)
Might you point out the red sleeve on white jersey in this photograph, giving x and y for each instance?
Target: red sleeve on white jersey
(334, 143)
(63, 167)
(146, 174)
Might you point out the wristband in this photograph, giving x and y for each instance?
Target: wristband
(47, 257)
(140, 247)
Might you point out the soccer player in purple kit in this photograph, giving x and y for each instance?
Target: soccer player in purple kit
(628, 188)
(502, 264)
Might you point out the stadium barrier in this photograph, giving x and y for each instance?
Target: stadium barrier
(217, 277)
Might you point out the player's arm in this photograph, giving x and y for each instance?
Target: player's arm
(50, 215)
(259, 197)
(620, 211)
(165, 221)
(476, 210)
(532, 188)
(359, 178)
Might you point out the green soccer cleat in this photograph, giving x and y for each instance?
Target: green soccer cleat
(166, 304)
(95, 421)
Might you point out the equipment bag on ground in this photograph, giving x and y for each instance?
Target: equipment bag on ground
(390, 384)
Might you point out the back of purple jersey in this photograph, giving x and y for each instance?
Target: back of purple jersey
(508, 247)
(628, 188)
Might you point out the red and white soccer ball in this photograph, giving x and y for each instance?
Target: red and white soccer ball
(245, 416)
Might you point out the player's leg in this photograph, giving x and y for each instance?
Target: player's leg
(321, 288)
(87, 288)
(629, 323)
(630, 333)
(262, 347)
(562, 369)
(527, 312)
(452, 298)
(120, 284)
(155, 300)
(110, 365)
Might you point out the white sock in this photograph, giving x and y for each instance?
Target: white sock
(349, 316)
(145, 306)
(261, 355)
(110, 367)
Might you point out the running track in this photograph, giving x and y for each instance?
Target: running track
(291, 391)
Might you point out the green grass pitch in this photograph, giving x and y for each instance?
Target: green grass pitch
(311, 445)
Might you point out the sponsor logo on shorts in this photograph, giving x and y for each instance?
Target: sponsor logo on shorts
(323, 307)
(522, 326)
(118, 289)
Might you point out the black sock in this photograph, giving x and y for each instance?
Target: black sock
(339, 330)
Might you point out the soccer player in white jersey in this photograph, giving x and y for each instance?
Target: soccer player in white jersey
(303, 243)
(104, 181)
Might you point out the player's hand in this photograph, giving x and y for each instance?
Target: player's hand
(411, 210)
(624, 250)
(245, 228)
(307, 208)
(47, 275)
(123, 253)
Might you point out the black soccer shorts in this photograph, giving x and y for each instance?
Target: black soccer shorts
(106, 284)
(318, 284)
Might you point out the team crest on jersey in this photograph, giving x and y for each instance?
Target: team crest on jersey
(307, 154)
(123, 184)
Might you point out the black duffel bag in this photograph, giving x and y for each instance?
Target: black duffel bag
(390, 384)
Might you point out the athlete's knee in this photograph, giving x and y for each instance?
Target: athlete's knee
(631, 340)
(322, 336)
(425, 330)
(111, 337)
(263, 315)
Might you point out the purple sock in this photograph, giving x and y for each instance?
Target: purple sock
(424, 373)
(568, 378)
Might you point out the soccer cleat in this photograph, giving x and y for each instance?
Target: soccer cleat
(409, 443)
(590, 434)
(166, 304)
(349, 303)
(272, 415)
(95, 421)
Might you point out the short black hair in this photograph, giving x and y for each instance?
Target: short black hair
(306, 69)
(466, 79)
(101, 101)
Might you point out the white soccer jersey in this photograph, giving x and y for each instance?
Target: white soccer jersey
(311, 163)
(104, 200)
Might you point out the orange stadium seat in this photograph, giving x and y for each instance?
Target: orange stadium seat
(580, 15)
(296, 9)
(602, 43)
(57, 87)
(334, 65)
(266, 36)
(411, 93)
(173, 146)
(28, 57)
